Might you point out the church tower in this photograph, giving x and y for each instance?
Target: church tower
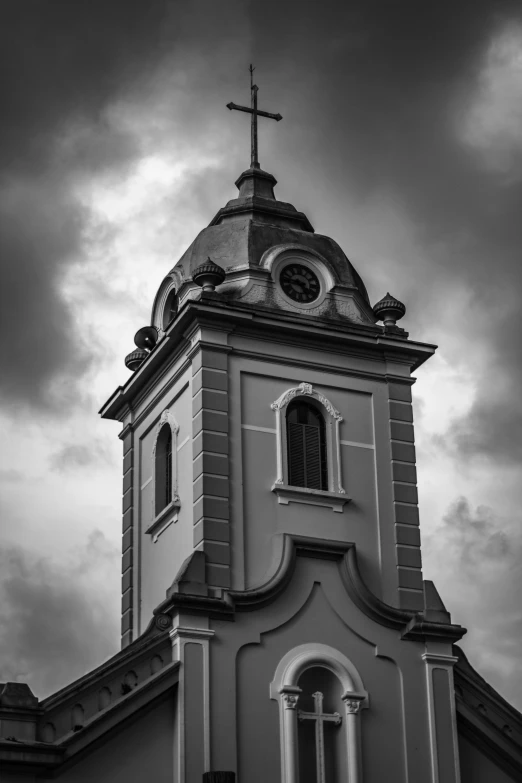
(270, 519)
(275, 623)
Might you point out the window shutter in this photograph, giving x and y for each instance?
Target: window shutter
(312, 459)
(168, 468)
(306, 447)
(296, 455)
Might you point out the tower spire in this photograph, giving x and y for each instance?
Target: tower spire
(255, 113)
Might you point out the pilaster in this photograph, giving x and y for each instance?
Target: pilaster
(127, 564)
(190, 643)
(405, 498)
(211, 494)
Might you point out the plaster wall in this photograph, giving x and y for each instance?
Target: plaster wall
(141, 750)
(256, 513)
(316, 608)
(159, 560)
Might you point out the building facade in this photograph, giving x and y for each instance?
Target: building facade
(275, 621)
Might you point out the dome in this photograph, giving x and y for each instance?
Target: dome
(244, 235)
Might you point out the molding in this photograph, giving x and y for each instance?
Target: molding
(172, 346)
(359, 445)
(314, 497)
(441, 662)
(333, 446)
(439, 659)
(412, 624)
(285, 691)
(157, 518)
(145, 643)
(300, 391)
(184, 632)
(162, 521)
(282, 253)
(505, 755)
(74, 745)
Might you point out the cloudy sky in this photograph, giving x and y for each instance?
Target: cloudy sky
(402, 139)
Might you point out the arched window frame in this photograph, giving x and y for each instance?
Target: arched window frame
(161, 516)
(285, 690)
(335, 497)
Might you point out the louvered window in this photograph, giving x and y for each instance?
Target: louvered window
(306, 441)
(163, 468)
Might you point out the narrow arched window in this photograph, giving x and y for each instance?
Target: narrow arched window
(163, 468)
(306, 443)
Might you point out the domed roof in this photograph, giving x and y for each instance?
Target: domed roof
(242, 233)
(251, 224)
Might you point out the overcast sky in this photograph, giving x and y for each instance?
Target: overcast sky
(401, 139)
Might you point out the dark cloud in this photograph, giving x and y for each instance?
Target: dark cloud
(475, 559)
(61, 65)
(373, 96)
(54, 626)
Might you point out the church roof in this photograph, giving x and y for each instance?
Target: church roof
(248, 226)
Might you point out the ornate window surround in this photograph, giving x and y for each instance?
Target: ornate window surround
(335, 498)
(285, 691)
(169, 514)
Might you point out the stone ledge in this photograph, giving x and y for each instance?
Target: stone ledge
(164, 519)
(315, 497)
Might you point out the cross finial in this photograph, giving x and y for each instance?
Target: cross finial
(255, 113)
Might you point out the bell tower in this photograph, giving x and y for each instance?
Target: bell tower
(263, 321)
(269, 479)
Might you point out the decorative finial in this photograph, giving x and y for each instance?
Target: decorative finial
(389, 310)
(135, 359)
(208, 275)
(255, 112)
(146, 337)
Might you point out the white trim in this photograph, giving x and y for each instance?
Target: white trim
(166, 418)
(253, 427)
(314, 497)
(285, 690)
(360, 445)
(278, 257)
(332, 423)
(445, 662)
(183, 443)
(179, 637)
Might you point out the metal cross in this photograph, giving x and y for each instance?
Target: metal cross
(320, 718)
(255, 112)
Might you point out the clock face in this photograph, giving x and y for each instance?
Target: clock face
(299, 283)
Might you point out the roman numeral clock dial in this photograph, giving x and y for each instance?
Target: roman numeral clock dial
(299, 283)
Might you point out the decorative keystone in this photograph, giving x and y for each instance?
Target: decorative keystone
(135, 359)
(208, 275)
(389, 310)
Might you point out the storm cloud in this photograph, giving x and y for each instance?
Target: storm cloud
(475, 560)
(58, 620)
(401, 139)
(61, 65)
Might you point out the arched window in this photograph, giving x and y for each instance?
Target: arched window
(306, 444)
(320, 695)
(171, 308)
(163, 468)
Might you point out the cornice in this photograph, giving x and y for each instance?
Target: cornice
(26, 756)
(217, 312)
(195, 604)
(412, 625)
(500, 749)
(151, 638)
